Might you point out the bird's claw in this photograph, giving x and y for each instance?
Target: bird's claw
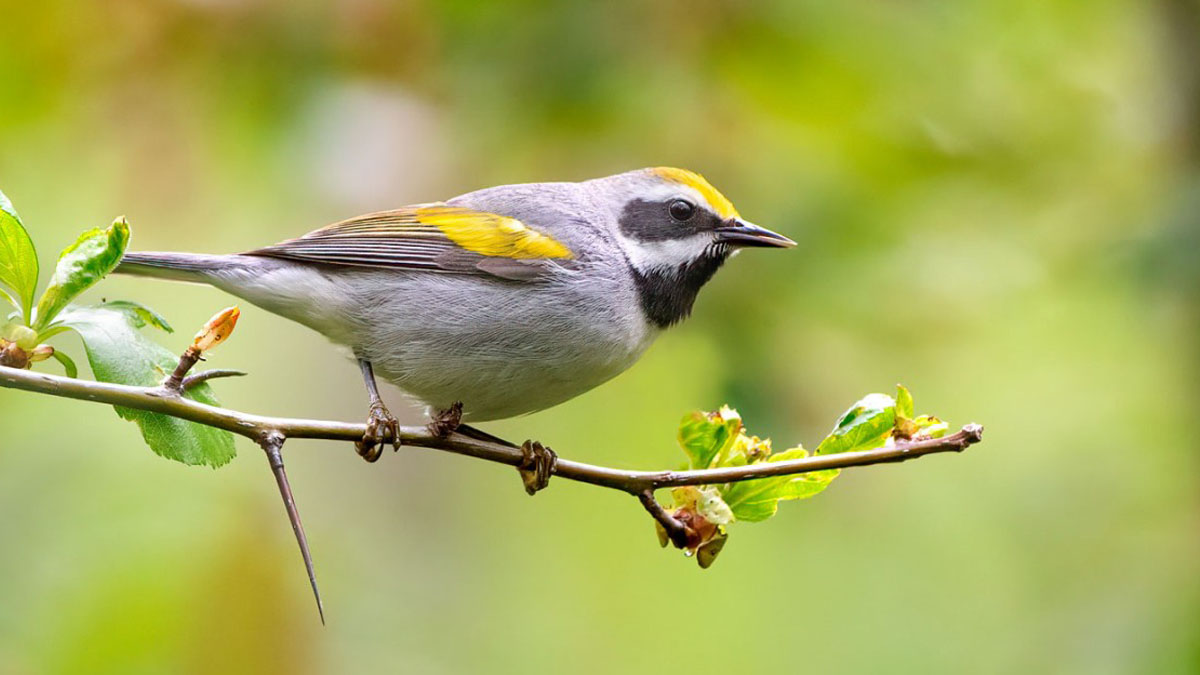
(536, 467)
(446, 422)
(382, 428)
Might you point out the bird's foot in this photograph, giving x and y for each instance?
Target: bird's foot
(446, 422)
(537, 464)
(382, 428)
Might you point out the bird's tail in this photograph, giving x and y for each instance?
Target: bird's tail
(191, 267)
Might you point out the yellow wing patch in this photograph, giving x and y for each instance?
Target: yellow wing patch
(722, 206)
(491, 234)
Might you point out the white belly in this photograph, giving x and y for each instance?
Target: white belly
(501, 348)
(507, 355)
(494, 380)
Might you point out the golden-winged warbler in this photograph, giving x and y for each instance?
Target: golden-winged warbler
(498, 302)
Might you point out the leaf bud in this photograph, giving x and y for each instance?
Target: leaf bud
(41, 353)
(22, 335)
(12, 355)
(217, 329)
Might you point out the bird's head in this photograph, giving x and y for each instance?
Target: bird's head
(676, 230)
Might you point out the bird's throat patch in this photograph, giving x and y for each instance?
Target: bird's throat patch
(667, 294)
(491, 234)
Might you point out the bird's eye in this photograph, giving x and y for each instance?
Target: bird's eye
(681, 209)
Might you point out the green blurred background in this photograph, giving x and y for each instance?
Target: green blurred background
(997, 204)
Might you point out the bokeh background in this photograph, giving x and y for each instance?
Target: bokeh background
(997, 204)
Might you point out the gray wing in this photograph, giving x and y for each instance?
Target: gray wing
(430, 237)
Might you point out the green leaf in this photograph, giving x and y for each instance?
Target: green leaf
(139, 315)
(18, 258)
(707, 553)
(758, 500)
(705, 500)
(864, 426)
(755, 500)
(67, 364)
(119, 353)
(806, 485)
(49, 332)
(929, 426)
(7, 297)
(905, 427)
(705, 436)
(91, 258)
(904, 402)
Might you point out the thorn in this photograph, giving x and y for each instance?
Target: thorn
(272, 445)
(204, 376)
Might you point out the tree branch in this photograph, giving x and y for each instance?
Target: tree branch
(270, 433)
(258, 427)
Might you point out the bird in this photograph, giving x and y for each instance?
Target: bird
(498, 302)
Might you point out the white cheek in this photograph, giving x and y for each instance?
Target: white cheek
(668, 253)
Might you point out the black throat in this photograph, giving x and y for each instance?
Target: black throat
(667, 294)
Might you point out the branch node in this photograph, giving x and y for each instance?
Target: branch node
(271, 441)
(446, 422)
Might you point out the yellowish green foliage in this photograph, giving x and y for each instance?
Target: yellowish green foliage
(116, 349)
(719, 439)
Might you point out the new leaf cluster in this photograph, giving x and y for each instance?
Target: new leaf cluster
(116, 349)
(719, 439)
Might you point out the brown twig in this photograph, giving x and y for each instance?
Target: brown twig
(189, 358)
(676, 531)
(206, 375)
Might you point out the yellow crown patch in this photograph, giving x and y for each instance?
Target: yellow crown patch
(722, 206)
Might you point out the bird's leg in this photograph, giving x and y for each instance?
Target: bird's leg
(382, 426)
(446, 422)
(537, 464)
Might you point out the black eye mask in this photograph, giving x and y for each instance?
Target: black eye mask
(651, 221)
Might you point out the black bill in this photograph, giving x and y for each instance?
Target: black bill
(738, 232)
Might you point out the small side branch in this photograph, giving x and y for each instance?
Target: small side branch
(206, 375)
(189, 358)
(676, 531)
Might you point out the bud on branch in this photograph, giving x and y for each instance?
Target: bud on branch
(215, 331)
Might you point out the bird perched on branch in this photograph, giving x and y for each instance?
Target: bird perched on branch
(498, 302)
